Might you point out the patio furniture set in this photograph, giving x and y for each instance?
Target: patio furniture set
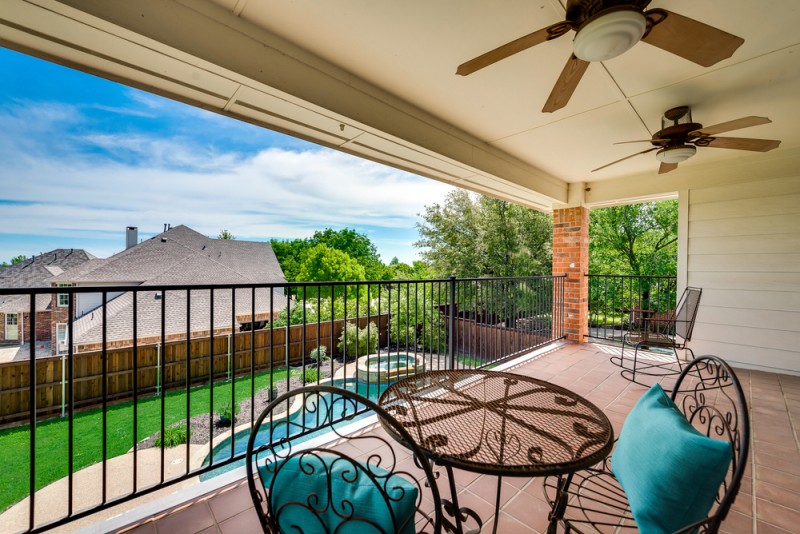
(676, 467)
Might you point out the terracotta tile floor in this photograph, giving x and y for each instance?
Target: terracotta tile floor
(769, 501)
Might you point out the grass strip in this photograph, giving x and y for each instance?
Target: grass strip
(52, 435)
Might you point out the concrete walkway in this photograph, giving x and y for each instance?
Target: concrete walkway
(12, 353)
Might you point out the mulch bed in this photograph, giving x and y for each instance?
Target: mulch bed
(202, 426)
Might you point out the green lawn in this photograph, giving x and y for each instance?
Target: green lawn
(52, 435)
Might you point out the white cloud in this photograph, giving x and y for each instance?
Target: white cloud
(94, 183)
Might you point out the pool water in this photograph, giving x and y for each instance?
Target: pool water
(386, 363)
(223, 450)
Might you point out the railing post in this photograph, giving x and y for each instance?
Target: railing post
(452, 324)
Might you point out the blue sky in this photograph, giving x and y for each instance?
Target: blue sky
(84, 157)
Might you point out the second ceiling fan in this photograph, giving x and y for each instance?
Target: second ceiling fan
(606, 29)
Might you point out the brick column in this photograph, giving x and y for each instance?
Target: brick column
(571, 257)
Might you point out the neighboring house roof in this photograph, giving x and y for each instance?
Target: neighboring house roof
(38, 271)
(182, 256)
(178, 256)
(119, 314)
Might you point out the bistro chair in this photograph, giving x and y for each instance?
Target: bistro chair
(671, 331)
(363, 482)
(677, 465)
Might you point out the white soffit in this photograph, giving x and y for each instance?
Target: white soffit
(378, 79)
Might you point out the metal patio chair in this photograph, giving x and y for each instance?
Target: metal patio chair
(364, 482)
(708, 393)
(672, 331)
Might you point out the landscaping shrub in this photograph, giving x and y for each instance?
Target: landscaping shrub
(319, 354)
(355, 341)
(310, 376)
(174, 435)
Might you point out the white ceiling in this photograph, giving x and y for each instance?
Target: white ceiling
(412, 48)
(377, 78)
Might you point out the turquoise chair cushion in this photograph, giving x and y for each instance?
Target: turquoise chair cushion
(300, 496)
(670, 472)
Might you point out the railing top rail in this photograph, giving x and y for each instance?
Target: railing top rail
(664, 276)
(272, 285)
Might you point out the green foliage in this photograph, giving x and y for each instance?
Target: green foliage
(51, 455)
(290, 254)
(310, 308)
(419, 270)
(414, 319)
(293, 253)
(325, 264)
(174, 435)
(229, 411)
(637, 239)
(14, 261)
(356, 245)
(355, 341)
(310, 376)
(225, 234)
(473, 235)
(319, 354)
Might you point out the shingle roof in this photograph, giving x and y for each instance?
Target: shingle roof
(179, 256)
(182, 256)
(38, 271)
(119, 313)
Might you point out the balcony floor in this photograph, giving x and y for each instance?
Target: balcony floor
(769, 501)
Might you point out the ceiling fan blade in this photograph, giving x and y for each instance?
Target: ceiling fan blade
(738, 124)
(666, 167)
(740, 143)
(566, 84)
(689, 39)
(643, 141)
(515, 46)
(626, 157)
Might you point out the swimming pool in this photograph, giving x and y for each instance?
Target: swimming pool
(222, 451)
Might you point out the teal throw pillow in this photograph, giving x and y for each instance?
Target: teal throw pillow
(301, 497)
(670, 472)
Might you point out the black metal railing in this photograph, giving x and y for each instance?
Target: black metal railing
(618, 303)
(135, 392)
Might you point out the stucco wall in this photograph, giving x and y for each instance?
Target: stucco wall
(743, 249)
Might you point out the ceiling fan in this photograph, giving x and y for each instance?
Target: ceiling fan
(678, 138)
(606, 29)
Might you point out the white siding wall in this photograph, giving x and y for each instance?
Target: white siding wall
(743, 249)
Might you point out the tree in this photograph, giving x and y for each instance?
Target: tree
(637, 239)
(225, 234)
(14, 260)
(357, 245)
(472, 236)
(325, 264)
(290, 253)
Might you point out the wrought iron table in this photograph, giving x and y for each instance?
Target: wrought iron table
(499, 424)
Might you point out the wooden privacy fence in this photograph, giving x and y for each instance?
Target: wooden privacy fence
(229, 356)
(495, 341)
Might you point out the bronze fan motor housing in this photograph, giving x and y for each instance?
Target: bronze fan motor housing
(678, 138)
(607, 28)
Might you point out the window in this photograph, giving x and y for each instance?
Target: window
(62, 300)
(61, 338)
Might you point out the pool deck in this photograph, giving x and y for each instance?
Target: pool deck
(769, 501)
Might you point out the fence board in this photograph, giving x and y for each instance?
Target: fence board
(88, 378)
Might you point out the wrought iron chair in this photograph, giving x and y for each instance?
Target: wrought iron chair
(673, 331)
(708, 393)
(365, 483)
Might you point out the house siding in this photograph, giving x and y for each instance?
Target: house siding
(743, 249)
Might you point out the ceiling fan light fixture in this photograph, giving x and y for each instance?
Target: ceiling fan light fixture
(676, 154)
(609, 35)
